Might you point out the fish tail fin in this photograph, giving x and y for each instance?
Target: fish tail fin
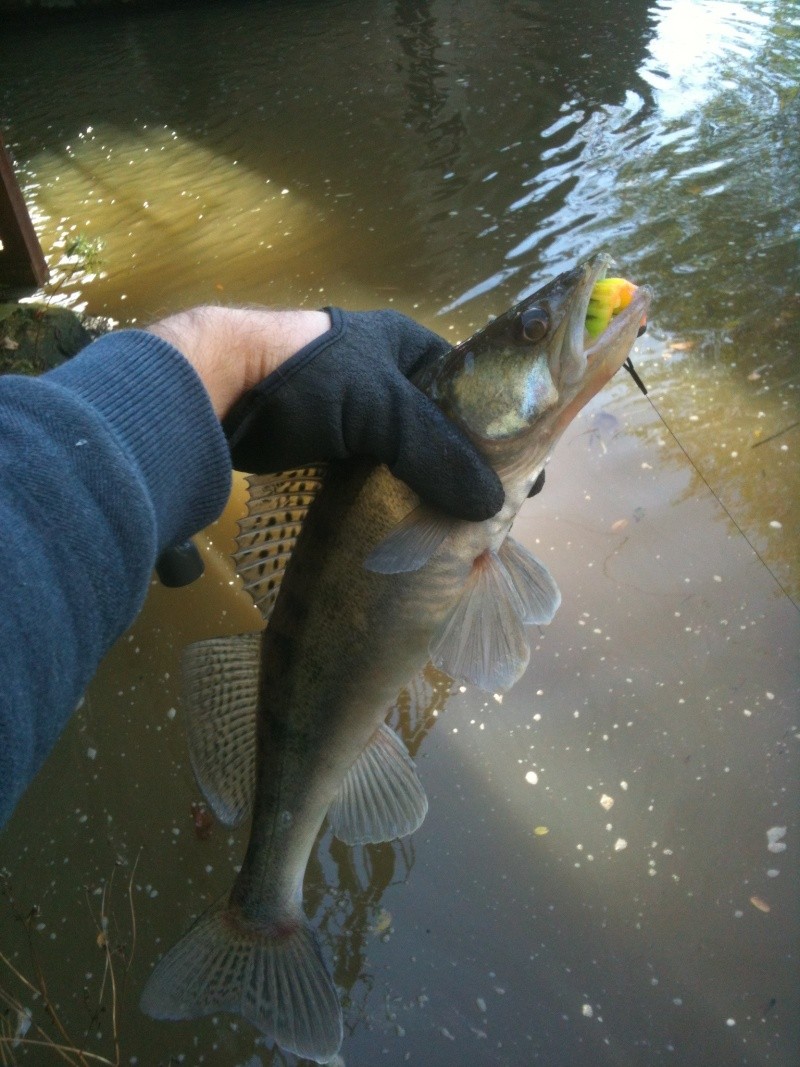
(273, 975)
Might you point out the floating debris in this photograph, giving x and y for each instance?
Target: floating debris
(769, 1006)
(24, 1019)
(203, 821)
(540, 831)
(587, 1010)
(774, 842)
(757, 902)
(383, 921)
(619, 844)
(606, 801)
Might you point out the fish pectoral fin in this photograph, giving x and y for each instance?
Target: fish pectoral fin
(381, 798)
(412, 542)
(483, 640)
(533, 582)
(221, 692)
(273, 975)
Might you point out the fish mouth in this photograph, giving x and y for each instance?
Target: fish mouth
(584, 364)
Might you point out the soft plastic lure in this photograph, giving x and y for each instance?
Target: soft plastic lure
(609, 297)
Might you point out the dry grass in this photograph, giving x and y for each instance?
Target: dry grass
(29, 1008)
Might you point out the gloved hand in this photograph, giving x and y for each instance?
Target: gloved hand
(347, 393)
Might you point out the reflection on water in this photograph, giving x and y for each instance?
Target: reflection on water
(450, 171)
(444, 157)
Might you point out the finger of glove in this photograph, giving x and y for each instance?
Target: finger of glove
(404, 429)
(397, 337)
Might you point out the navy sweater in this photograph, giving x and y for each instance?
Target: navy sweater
(103, 463)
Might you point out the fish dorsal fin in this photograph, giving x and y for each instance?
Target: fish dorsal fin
(381, 797)
(276, 511)
(533, 582)
(221, 692)
(483, 640)
(412, 542)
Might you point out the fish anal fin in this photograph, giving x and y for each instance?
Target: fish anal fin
(483, 640)
(273, 975)
(381, 798)
(533, 582)
(220, 679)
(412, 542)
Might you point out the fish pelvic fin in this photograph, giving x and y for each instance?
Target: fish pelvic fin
(273, 976)
(412, 542)
(221, 692)
(381, 797)
(532, 581)
(483, 640)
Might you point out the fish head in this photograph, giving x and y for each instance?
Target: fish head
(529, 371)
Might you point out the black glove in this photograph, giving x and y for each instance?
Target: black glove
(347, 393)
(179, 565)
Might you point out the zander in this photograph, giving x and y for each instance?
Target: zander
(361, 585)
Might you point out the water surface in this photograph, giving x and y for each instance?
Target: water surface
(446, 158)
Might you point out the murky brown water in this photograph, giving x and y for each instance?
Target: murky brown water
(446, 157)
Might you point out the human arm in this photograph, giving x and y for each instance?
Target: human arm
(102, 463)
(119, 453)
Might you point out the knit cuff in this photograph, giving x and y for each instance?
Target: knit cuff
(158, 410)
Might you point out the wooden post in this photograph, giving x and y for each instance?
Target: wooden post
(22, 265)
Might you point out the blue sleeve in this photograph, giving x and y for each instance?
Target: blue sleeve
(103, 463)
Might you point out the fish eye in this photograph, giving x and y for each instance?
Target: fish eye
(534, 323)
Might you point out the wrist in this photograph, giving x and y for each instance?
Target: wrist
(232, 349)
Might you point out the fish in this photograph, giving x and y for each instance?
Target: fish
(361, 585)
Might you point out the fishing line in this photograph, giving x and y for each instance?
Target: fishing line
(628, 365)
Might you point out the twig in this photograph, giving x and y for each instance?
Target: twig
(18, 974)
(63, 1049)
(19, 1008)
(48, 1007)
(110, 969)
(779, 433)
(133, 910)
(66, 1049)
(101, 926)
(3, 1039)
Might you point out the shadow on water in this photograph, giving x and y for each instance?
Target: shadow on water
(443, 157)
